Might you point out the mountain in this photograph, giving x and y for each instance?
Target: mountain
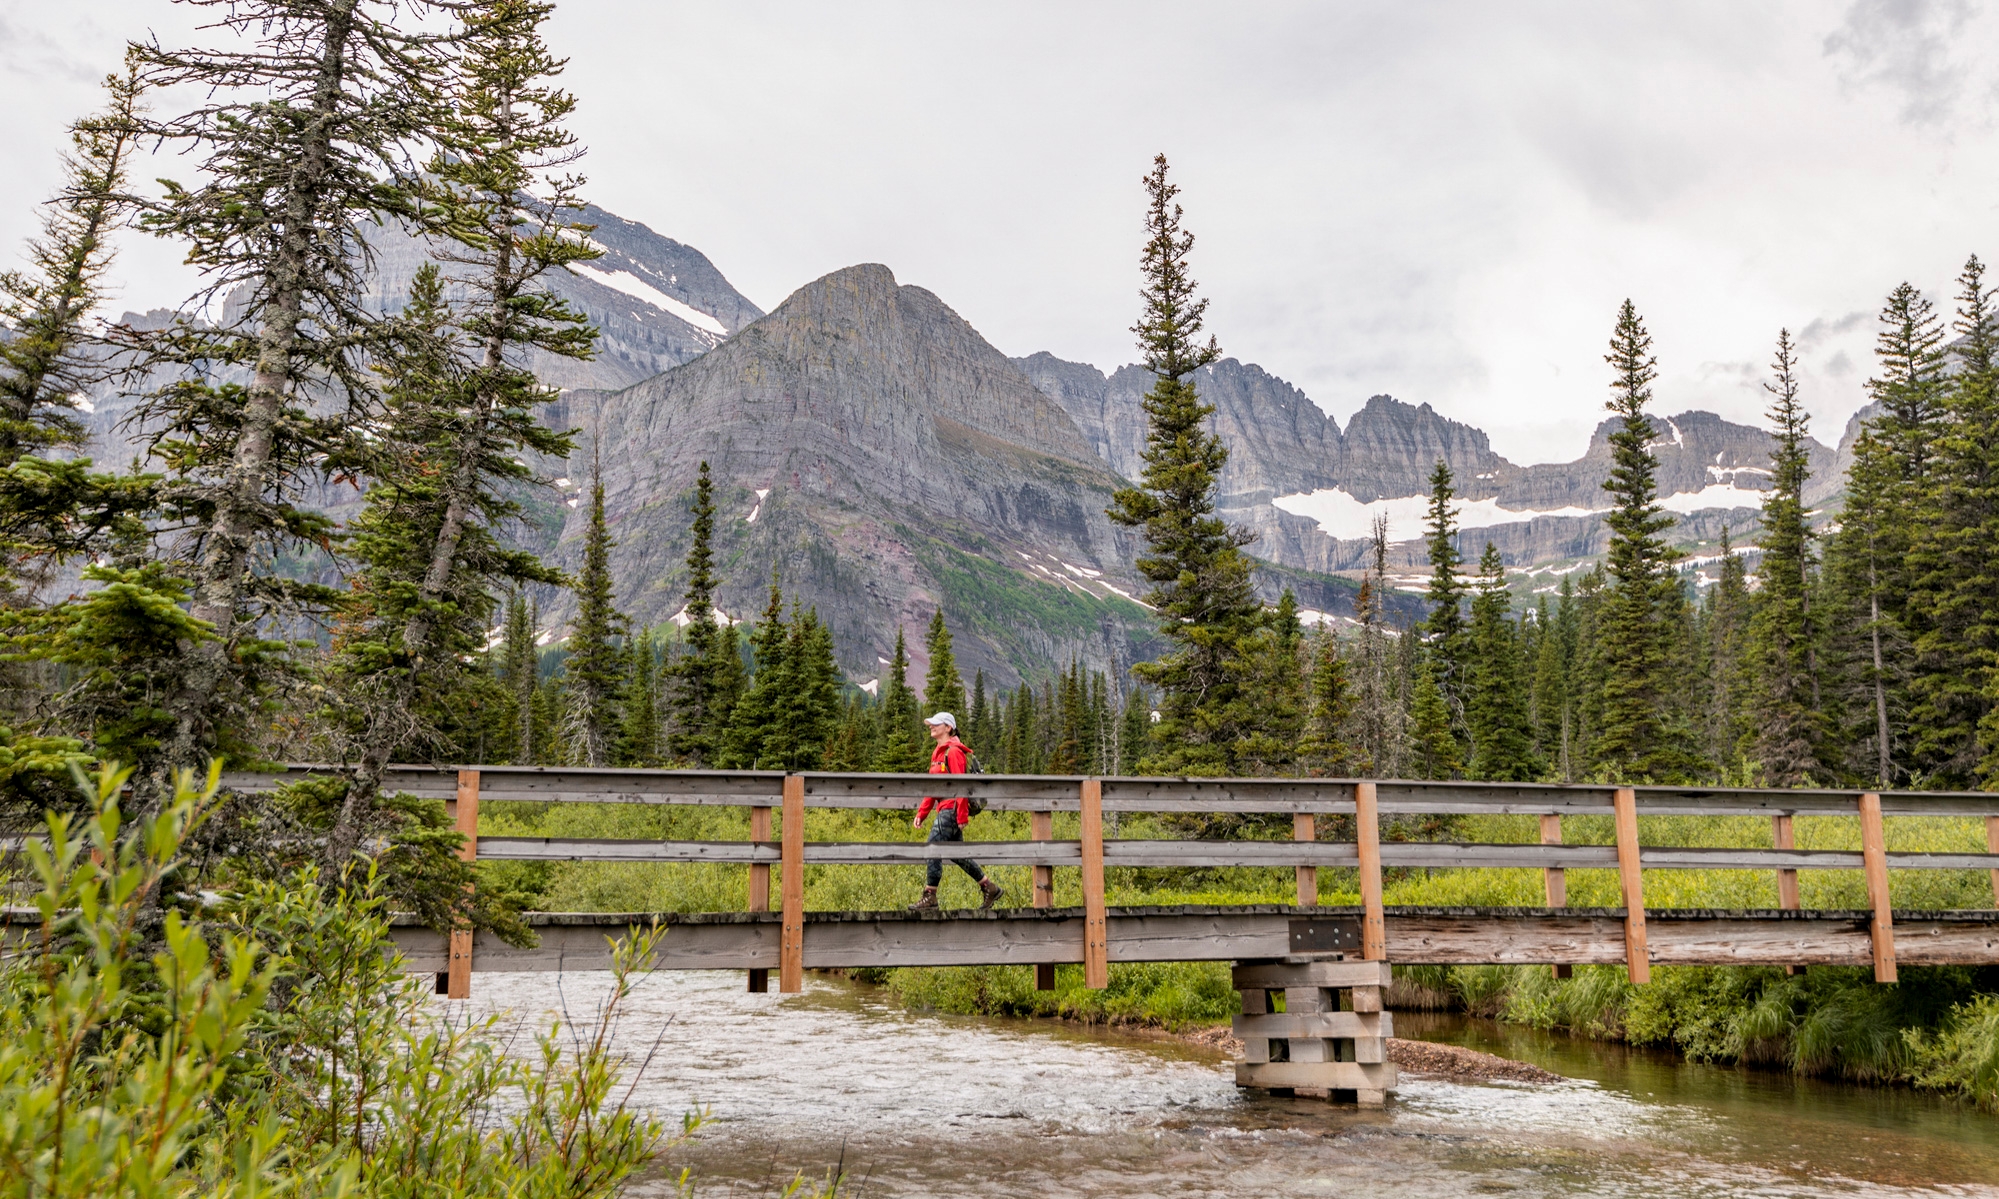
(877, 453)
(1311, 490)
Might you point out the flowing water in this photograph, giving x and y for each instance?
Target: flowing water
(941, 1105)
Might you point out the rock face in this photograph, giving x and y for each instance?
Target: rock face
(1310, 490)
(869, 445)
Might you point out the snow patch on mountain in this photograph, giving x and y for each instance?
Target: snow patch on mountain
(639, 289)
(1341, 515)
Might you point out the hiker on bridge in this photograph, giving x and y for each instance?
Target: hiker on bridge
(949, 757)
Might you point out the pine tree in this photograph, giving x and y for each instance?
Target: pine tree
(1324, 751)
(903, 748)
(593, 672)
(943, 690)
(979, 724)
(1444, 631)
(638, 739)
(1272, 693)
(1201, 578)
(521, 669)
(1496, 706)
(307, 131)
(707, 678)
(1871, 626)
(810, 709)
(1135, 730)
(1378, 703)
(1725, 646)
(1790, 725)
(53, 506)
(1433, 747)
(1954, 561)
(1639, 738)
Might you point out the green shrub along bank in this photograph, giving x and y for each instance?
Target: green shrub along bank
(1938, 1028)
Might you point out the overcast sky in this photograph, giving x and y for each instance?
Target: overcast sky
(1443, 202)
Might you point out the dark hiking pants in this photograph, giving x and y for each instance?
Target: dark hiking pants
(944, 827)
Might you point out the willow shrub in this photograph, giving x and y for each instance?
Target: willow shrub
(276, 1050)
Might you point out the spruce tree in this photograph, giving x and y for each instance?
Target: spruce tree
(1640, 737)
(1378, 703)
(521, 670)
(903, 749)
(1201, 579)
(307, 126)
(638, 739)
(1444, 630)
(1954, 561)
(594, 670)
(1324, 751)
(706, 679)
(979, 725)
(1554, 663)
(53, 506)
(1496, 706)
(1789, 725)
(943, 690)
(1433, 747)
(756, 726)
(1725, 647)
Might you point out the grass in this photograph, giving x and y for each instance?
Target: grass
(1939, 1028)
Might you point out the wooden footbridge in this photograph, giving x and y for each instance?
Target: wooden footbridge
(1329, 963)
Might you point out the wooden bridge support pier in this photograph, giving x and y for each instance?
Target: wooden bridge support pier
(1315, 1024)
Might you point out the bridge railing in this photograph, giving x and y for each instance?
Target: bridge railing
(766, 793)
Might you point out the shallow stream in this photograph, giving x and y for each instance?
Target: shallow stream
(918, 1105)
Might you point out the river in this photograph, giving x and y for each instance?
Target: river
(919, 1105)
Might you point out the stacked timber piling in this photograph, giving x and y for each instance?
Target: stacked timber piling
(1313, 1024)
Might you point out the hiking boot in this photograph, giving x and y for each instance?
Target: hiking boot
(928, 903)
(992, 891)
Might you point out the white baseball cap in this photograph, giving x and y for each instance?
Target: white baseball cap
(943, 718)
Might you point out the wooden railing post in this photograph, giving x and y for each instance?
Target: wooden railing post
(1367, 836)
(1555, 881)
(465, 815)
(1305, 828)
(1874, 851)
(791, 881)
(1041, 827)
(760, 886)
(1637, 961)
(1096, 931)
(1783, 836)
(1992, 846)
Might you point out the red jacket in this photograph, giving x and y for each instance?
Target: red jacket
(949, 758)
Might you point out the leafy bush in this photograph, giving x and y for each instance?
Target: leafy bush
(280, 1050)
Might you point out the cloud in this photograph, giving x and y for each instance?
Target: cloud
(1904, 45)
(1821, 329)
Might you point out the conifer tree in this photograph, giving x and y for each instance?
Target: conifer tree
(1725, 648)
(53, 506)
(1790, 724)
(707, 678)
(786, 713)
(1324, 751)
(943, 690)
(1378, 703)
(1135, 731)
(903, 745)
(638, 739)
(1496, 706)
(1273, 666)
(521, 670)
(308, 126)
(1639, 737)
(594, 670)
(1554, 662)
(979, 725)
(1444, 631)
(1954, 560)
(1201, 578)
(1433, 747)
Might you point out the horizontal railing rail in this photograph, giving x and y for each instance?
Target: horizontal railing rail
(1304, 800)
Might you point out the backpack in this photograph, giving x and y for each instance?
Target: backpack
(973, 804)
